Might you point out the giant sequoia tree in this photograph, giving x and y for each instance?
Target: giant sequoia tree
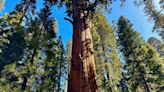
(82, 72)
(31, 59)
(82, 51)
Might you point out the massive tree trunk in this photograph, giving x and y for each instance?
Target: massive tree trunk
(82, 74)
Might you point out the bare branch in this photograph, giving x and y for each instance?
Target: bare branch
(69, 20)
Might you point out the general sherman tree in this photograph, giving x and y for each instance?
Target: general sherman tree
(32, 59)
(82, 72)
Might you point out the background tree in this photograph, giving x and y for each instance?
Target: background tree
(142, 61)
(38, 59)
(156, 44)
(106, 56)
(11, 34)
(154, 14)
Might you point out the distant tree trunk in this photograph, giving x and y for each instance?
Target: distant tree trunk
(24, 83)
(60, 74)
(143, 78)
(59, 78)
(82, 74)
(122, 85)
(147, 89)
(107, 68)
(25, 78)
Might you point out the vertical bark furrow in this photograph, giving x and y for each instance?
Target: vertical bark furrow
(82, 74)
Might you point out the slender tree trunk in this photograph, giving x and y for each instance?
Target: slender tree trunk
(109, 78)
(147, 89)
(143, 78)
(82, 75)
(60, 74)
(122, 86)
(24, 83)
(25, 78)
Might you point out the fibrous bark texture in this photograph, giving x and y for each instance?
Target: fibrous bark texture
(82, 73)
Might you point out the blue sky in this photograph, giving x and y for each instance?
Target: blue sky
(133, 13)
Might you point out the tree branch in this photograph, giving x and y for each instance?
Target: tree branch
(69, 20)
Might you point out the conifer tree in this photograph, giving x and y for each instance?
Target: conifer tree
(154, 14)
(82, 71)
(33, 59)
(144, 66)
(156, 44)
(106, 56)
(29, 68)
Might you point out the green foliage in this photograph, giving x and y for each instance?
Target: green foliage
(12, 40)
(88, 5)
(31, 59)
(54, 67)
(14, 50)
(154, 14)
(156, 44)
(144, 66)
(106, 56)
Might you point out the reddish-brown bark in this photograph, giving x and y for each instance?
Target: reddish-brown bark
(82, 72)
